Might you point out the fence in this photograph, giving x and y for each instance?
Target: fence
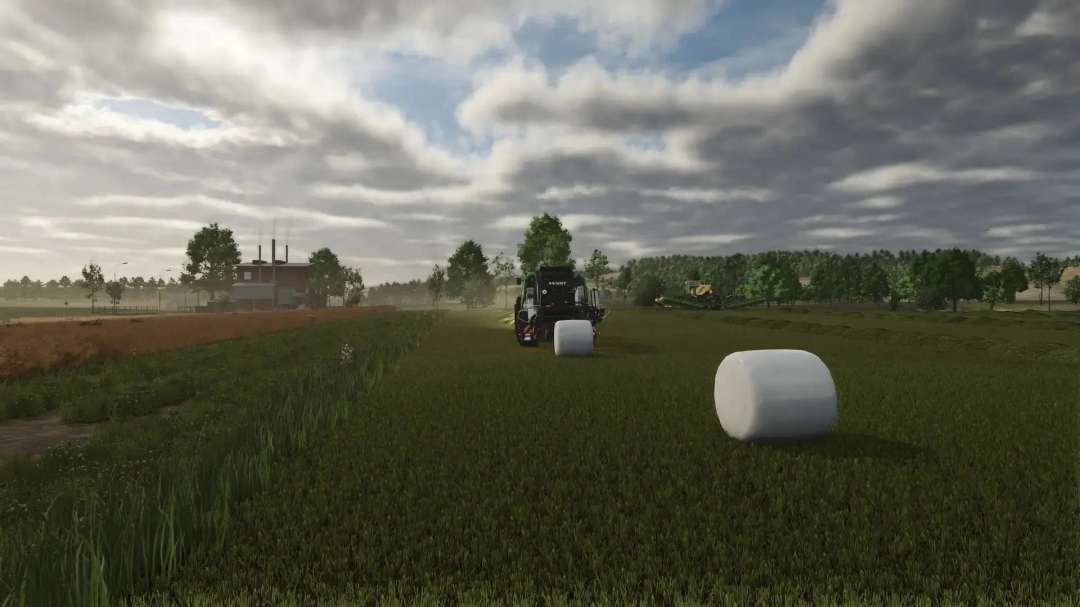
(125, 310)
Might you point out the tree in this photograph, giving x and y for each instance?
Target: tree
(327, 274)
(354, 286)
(436, 284)
(1072, 290)
(955, 275)
(992, 287)
(93, 282)
(547, 243)
(1013, 279)
(502, 268)
(479, 292)
(647, 290)
(1037, 273)
(52, 284)
(876, 283)
(212, 259)
(765, 281)
(1052, 271)
(467, 262)
(790, 288)
(901, 286)
(596, 267)
(65, 282)
(626, 277)
(115, 290)
(25, 284)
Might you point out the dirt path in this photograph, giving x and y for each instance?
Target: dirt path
(33, 435)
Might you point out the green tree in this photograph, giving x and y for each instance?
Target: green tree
(212, 259)
(596, 267)
(93, 282)
(467, 262)
(327, 274)
(115, 290)
(1072, 290)
(547, 243)
(766, 281)
(1052, 271)
(876, 283)
(789, 286)
(479, 292)
(901, 285)
(1013, 279)
(25, 286)
(955, 275)
(625, 280)
(992, 287)
(354, 286)
(1037, 273)
(65, 282)
(647, 290)
(503, 269)
(436, 284)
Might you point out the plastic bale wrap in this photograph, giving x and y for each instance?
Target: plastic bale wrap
(774, 395)
(573, 338)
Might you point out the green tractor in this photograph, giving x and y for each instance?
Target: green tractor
(550, 294)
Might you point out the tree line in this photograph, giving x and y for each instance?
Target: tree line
(933, 280)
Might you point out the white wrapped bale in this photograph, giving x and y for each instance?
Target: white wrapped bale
(573, 338)
(774, 395)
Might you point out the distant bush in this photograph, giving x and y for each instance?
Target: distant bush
(648, 290)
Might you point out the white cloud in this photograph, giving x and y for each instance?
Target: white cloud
(632, 248)
(711, 239)
(574, 191)
(1015, 231)
(879, 202)
(307, 216)
(914, 173)
(711, 195)
(839, 233)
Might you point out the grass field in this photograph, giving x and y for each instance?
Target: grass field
(482, 473)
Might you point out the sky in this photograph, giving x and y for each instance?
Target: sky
(392, 130)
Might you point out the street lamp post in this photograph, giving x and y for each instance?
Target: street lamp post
(161, 278)
(122, 263)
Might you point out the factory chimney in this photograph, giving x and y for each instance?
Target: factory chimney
(286, 253)
(260, 263)
(273, 259)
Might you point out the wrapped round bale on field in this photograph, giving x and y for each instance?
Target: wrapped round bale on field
(774, 395)
(573, 338)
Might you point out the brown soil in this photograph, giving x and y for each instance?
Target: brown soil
(33, 435)
(42, 344)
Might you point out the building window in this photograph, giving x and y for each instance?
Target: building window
(247, 275)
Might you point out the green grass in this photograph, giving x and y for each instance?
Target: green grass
(484, 473)
(120, 512)
(119, 389)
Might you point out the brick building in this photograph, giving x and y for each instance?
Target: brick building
(261, 285)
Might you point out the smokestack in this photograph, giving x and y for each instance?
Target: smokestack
(286, 253)
(273, 257)
(260, 263)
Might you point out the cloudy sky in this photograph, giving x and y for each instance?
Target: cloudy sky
(390, 130)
